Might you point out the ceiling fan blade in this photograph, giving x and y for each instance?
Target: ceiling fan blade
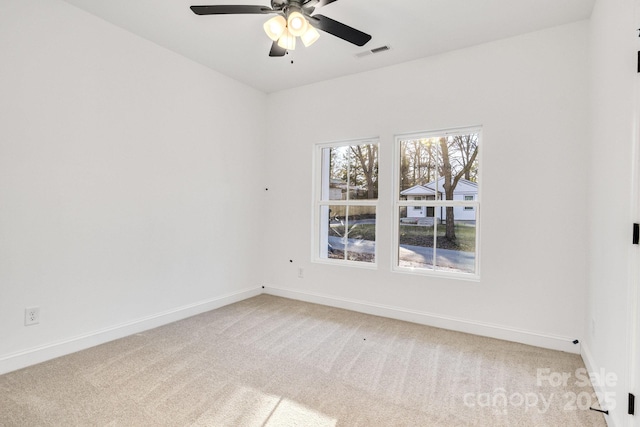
(277, 50)
(339, 29)
(317, 3)
(230, 9)
(324, 2)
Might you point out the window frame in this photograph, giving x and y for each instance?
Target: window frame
(318, 203)
(398, 203)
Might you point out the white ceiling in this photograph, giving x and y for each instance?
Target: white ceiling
(236, 45)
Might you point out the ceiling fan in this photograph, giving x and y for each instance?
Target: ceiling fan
(293, 19)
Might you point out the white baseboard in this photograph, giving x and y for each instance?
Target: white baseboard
(553, 342)
(22, 359)
(599, 388)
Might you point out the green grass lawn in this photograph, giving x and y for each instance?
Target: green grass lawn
(416, 235)
(356, 231)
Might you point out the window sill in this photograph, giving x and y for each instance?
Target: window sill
(470, 277)
(343, 263)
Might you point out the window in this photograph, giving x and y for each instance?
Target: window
(418, 208)
(468, 198)
(346, 194)
(437, 172)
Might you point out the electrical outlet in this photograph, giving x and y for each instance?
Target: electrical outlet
(300, 272)
(31, 316)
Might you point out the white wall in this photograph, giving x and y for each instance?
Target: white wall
(123, 203)
(129, 178)
(613, 197)
(530, 95)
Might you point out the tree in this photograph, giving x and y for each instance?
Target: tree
(366, 167)
(458, 159)
(467, 147)
(418, 160)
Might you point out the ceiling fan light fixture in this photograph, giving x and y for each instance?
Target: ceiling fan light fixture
(275, 26)
(293, 19)
(287, 40)
(297, 23)
(310, 36)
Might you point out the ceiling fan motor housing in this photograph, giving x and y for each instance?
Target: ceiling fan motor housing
(278, 4)
(289, 6)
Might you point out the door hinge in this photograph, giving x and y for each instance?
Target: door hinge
(636, 233)
(632, 404)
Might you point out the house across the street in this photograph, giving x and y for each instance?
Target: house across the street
(465, 190)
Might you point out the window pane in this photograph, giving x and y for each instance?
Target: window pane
(418, 168)
(415, 239)
(350, 233)
(458, 166)
(350, 172)
(440, 168)
(363, 171)
(456, 247)
(335, 173)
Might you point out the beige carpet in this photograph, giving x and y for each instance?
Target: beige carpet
(270, 361)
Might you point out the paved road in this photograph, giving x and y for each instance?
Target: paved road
(413, 256)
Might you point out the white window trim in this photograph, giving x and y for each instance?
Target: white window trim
(397, 203)
(317, 236)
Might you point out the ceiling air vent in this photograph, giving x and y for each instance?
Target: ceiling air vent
(372, 51)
